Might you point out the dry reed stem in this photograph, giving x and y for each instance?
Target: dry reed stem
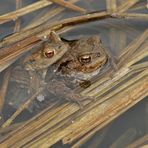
(23, 11)
(5, 65)
(142, 53)
(41, 130)
(91, 119)
(18, 21)
(139, 7)
(116, 80)
(45, 129)
(44, 30)
(27, 136)
(11, 57)
(47, 16)
(55, 119)
(79, 130)
(126, 5)
(131, 16)
(36, 125)
(34, 122)
(98, 92)
(69, 5)
(11, 128)
(132, 47)
(94, 142)
(44, 144)
(35, 6)
(111, 5)
(143, 65)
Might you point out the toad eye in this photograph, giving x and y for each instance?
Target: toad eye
(85, 59)
(49, 54)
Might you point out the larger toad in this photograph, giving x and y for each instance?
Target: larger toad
(81, 62)
(84, 59)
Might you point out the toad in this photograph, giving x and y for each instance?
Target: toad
(29, 76)
(84, 60)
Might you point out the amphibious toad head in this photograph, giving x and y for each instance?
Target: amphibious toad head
(48, 54)
(85, 58)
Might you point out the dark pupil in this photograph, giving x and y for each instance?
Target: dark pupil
(49, 54)
(85, 59)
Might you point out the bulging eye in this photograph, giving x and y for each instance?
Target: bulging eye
(49, 54)
(85, 59)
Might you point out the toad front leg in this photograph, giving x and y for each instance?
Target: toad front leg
(60, 89)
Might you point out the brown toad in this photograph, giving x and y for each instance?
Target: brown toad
(84, 60)
(30, 74)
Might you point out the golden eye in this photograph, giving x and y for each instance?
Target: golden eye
(85, 59)
(49, 54)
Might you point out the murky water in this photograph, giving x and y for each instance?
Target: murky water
(115, 34)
